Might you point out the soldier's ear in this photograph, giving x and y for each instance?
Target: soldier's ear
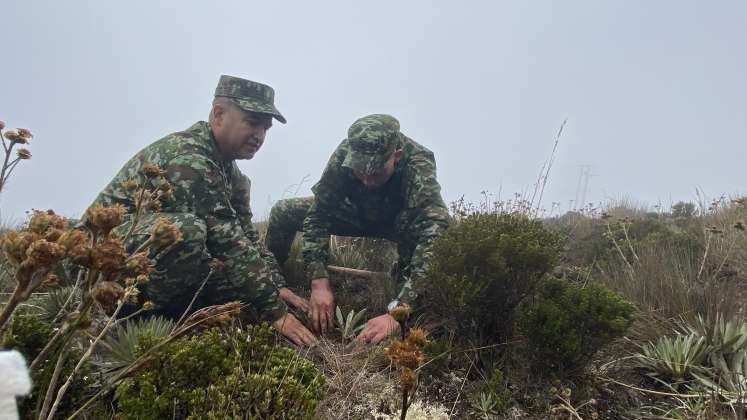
(398, 155)
(218, 111)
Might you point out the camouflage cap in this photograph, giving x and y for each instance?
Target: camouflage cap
(372, 140)
(249, 96)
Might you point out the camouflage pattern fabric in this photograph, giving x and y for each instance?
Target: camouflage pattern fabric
(372, 139)
(408, 210)
(249, 95)
(210, 205)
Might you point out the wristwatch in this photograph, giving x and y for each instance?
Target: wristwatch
(393, 304)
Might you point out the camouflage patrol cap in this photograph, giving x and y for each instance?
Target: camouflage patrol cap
(372, 140)
(249, 96)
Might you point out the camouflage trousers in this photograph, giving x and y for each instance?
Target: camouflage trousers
(287, 217)
(181, 269)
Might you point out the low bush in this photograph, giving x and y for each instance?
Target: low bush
(217, 375)
(566, 324)
(482, 267)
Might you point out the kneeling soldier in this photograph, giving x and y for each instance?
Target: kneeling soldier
(209, 203)
(378, 183)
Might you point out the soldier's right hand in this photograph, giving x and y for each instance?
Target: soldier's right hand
(321, 305)
(294, 330)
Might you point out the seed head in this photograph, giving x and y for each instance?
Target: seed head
(405, 353)
(215, 315)
(164, 185)
(45, 253)
(154, 205)
(131, 295)
(53, 235)
(152, 171)
(109, 256)
(417, 336)
(130, 185)
(42, 221)
(72, 238)
(407, 379)
(401, 312)
(25, 133)
(107, 294)
(165, 233)
(149, 305)
(12, 136)
(15, 244)
(23, 154)
(2, 125)
(103, 219)
(142, 279)
(82, 255)
(139, 264)
(411, 359)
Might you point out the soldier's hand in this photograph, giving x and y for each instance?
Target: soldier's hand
(293, 299)
(321, 306)
(377, 329)
(294, 330)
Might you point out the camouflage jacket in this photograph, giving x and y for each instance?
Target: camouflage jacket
(216, 191)
(407, 208)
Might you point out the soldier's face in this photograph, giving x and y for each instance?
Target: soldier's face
(238, 133)
(381, 177)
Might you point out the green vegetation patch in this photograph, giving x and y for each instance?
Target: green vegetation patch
(218, 375)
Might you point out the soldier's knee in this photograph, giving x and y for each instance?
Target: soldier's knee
(278, 210)
(290, 212)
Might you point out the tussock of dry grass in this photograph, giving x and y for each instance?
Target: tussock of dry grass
(359, 380)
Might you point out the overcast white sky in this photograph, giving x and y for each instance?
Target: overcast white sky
(655, 91)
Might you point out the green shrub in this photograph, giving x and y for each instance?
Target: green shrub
(482, 267)
(217, 375)
(566, 324)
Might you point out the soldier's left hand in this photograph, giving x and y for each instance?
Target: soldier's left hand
(293, 299)
(377, 329)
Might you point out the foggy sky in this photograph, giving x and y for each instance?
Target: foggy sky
(654, 91)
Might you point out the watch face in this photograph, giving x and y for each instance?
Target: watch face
(393, 304)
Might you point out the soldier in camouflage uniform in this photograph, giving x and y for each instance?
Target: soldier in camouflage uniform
(210, 205)
(378, 183)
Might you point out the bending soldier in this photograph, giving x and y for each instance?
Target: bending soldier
(378, 183)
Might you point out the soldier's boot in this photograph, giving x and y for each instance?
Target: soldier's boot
(286, 219)
(179, 270)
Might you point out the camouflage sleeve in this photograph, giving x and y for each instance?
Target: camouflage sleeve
(240, 202)
(316, 226)
(201, 183)
(425, 218)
